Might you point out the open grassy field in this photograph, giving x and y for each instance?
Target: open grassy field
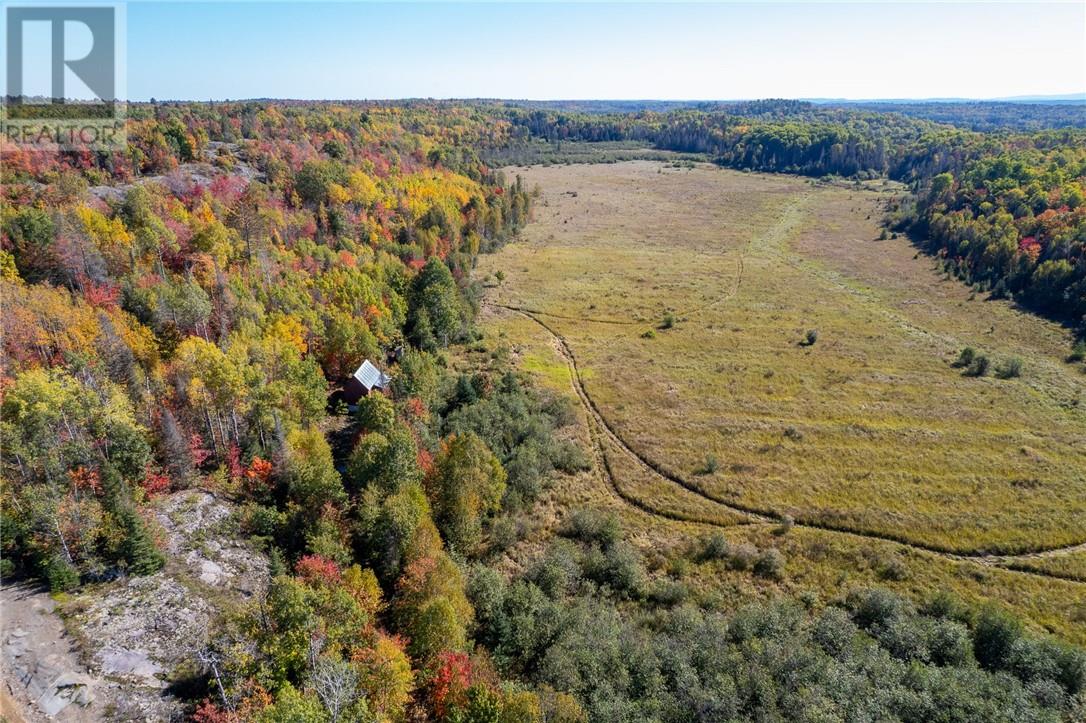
(673, 303)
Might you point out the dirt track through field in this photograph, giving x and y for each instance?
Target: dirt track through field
(599, 425)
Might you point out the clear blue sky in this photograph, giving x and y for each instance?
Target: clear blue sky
(572, 51)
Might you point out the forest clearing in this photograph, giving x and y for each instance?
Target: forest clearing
(674, 305)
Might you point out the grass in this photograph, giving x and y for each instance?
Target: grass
(870, 429)
(1071, 565)
(663, 498)
(819, 564)
(886, 437)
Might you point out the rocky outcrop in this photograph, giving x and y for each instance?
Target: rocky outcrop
(44, 677)
(121, 643)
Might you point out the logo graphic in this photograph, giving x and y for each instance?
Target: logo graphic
(62, 77)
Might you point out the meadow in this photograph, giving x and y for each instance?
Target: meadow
(751, 354)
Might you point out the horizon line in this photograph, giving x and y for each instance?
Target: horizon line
(1038, 98)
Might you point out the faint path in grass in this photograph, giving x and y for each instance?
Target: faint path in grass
(600, 427)
(1020, 563)
(779, 230)
(599, 430)
(774, 245)
(786, 222)
(595, 320)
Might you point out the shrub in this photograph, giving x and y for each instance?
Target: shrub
(557, 572)
(715, 547)
(810, 338)
(904, 637)
(1031, 659)
(993, 638)
(945, 604)
(742, 556)
(618, 567)
(770, 564)
(61, 575)
(875, 607)
(668, 321)
(1010, 368)
(834, 631)
(965, 357)
(650, 334)
(526, 469)
(676, 567)
(486, 590)
(1072, 664)
(786, 525)
(624, 571)
(978, 367)
(893, 568)
(593, 526)
(262, 521)
(668, 593)
(709, 466)
(1078, 351)
(949, 643)
(1049, 694)
(569, 457)
(503, 534)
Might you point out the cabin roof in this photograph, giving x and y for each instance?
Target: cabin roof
(370, 376)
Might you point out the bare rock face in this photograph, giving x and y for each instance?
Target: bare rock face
(43, 677)
(187, 175)
(142, 629)
(202, 543)
(121, 643)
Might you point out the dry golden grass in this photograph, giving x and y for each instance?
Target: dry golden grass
(1071, 565)
(826, 564)
(869, 429)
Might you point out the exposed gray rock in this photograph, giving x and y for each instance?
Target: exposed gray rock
(43, 676)
(129, 636)
(140, 630)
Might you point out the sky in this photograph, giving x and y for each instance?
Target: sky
(344, 50)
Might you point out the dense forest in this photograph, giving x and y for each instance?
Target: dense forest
(179, 313)
(987, 115)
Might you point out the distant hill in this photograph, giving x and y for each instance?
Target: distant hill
(1075, 98)
(1021, 115)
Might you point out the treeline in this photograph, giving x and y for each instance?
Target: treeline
(1012, 223)
(986, 115)
(777, 136)
(967, 114)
